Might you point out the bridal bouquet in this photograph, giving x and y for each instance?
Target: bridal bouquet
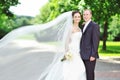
(68, 56)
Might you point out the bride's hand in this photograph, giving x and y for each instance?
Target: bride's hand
(92, 58)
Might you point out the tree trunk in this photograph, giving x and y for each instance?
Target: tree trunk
(105, 35)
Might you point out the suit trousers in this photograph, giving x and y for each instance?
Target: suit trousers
(90, 68)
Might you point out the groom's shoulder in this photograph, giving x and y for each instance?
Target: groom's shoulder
(94, 23)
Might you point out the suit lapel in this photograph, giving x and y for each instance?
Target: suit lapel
(87, 27)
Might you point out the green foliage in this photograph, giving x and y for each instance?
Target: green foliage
(44, 14)
(5, 5)
(55, 7)
(6, 15)
(8, 24)
(8, 21)
(114, 28)
(103, 9)
(4, 25)
(19, 21)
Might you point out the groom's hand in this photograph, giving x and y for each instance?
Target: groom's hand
(92, 58)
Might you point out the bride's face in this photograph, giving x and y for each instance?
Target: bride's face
(76, 18)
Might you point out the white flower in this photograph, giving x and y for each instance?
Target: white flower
(68, 56)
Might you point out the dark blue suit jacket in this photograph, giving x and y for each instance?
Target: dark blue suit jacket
(90, 41)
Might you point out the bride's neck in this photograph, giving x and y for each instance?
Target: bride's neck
(75, 25)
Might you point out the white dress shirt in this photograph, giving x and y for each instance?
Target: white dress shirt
(85, 26)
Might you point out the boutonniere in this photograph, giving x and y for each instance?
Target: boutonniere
(68, 56)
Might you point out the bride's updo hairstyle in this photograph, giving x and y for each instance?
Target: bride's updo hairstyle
(74, 12)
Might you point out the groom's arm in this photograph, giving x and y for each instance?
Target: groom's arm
(95, 40)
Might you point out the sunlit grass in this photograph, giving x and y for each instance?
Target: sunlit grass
(113, 49)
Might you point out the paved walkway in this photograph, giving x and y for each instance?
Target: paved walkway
(106, 69)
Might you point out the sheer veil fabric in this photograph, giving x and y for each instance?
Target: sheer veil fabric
(34, 52)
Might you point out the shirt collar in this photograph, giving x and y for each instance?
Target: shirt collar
(88, 22)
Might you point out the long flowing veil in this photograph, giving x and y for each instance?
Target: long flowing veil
(34, 52)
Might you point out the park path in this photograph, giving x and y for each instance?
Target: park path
(106, 69)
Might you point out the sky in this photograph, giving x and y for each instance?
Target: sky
(28, 7)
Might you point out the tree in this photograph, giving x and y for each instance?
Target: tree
(5, 5)
(55, 7)
(103, 10)
(6, 15)
(114, 28)
(44, 14)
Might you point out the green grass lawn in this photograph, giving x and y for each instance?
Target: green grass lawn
(113, 49)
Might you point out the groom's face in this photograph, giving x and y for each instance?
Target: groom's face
(87, 15)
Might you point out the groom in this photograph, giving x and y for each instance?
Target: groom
(89, 44)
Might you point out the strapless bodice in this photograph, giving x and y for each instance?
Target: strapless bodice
(74, 45)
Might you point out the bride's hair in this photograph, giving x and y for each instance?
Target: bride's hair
(74, 12)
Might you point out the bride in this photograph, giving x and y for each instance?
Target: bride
(44, 52)
(72, 65)
(74, 69)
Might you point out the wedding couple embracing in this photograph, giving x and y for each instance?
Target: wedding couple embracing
(75, 48)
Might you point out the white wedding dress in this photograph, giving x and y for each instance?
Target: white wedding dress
(74, 69)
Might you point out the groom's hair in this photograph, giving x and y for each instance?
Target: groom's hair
(74, 12)
(88, 10)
